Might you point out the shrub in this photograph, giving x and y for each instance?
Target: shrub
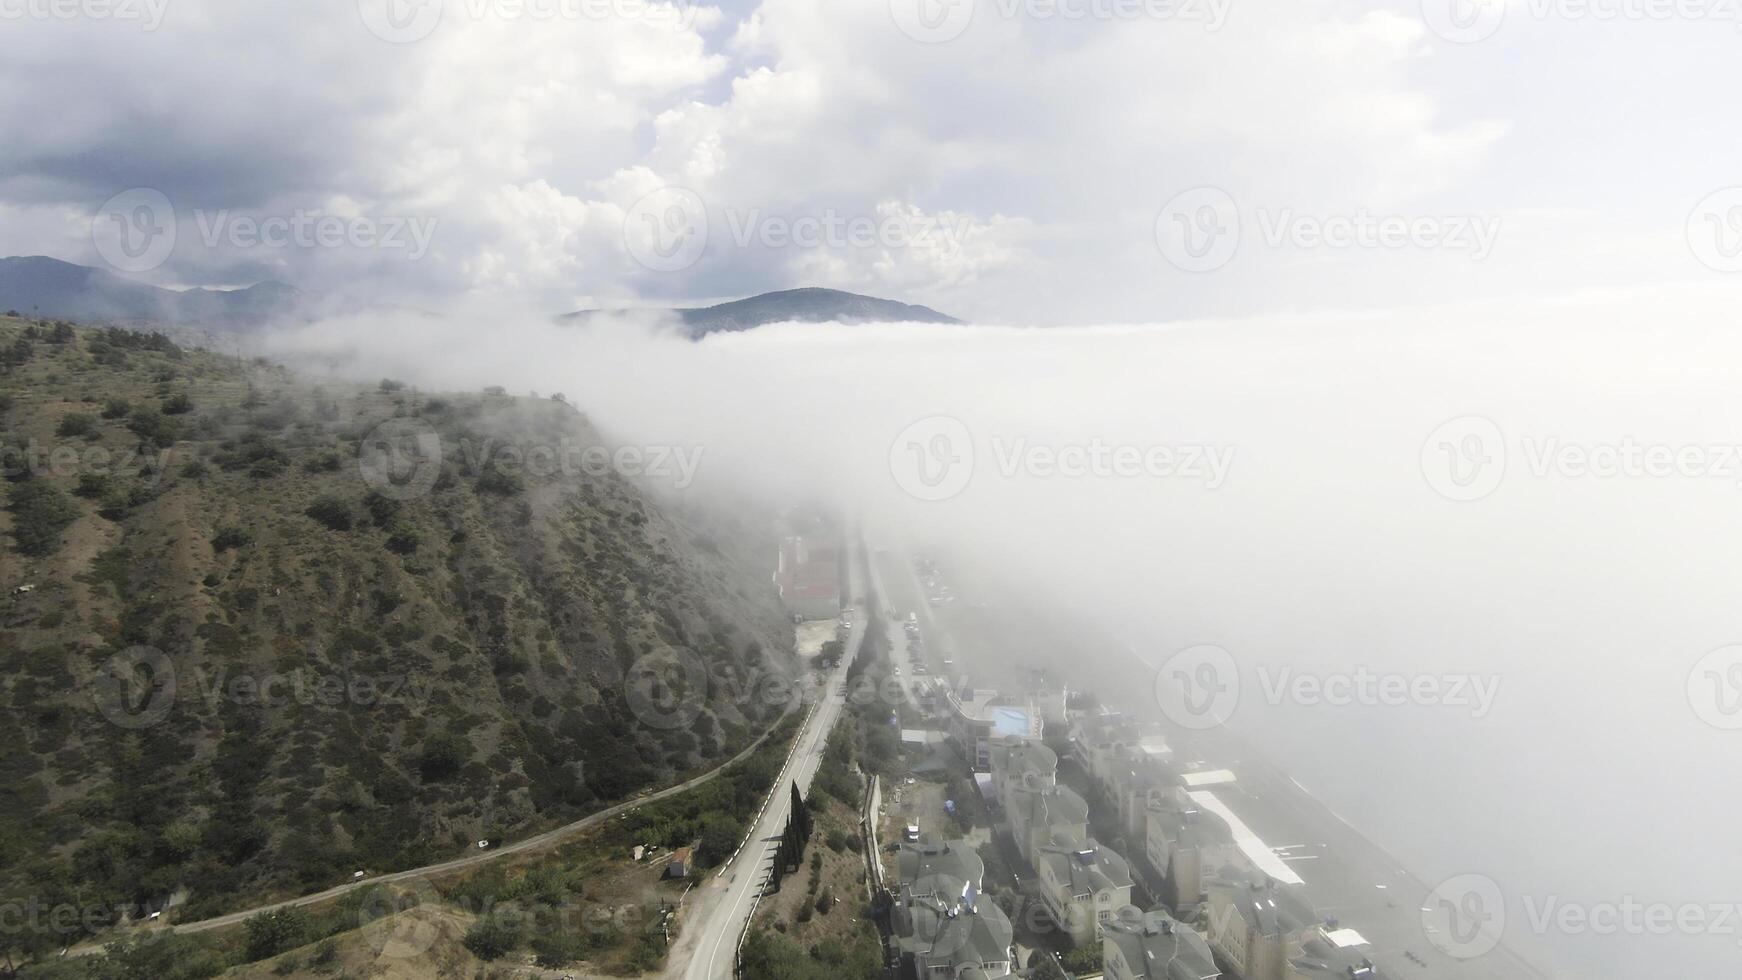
(493, 937)
(177, 404)
(76, 424)
(154, 428)
(231, 537)
(332, 513)
(92, 486)
(271, 933)
(39, 514)
(116, 408)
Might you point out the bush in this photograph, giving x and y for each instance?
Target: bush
(271, 933)
(154, 428)
(443, 755)
(177, 404)
(116, 408)
(493, 937)
(231, 537)
(92, 486)
(39, 514)
(76, 424)
(331, 512)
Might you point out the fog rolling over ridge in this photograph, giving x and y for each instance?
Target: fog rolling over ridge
(1519, 516)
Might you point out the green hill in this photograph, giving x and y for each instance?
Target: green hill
(366, 674)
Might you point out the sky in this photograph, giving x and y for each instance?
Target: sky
(1011, 161)
(1448, 286)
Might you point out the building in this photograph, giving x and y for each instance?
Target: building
(1018, 762)
(1082, 887)
(808, 578)
(1258, 927)
(679, 863)
(922, 866)
(1138, 945)
(978, 719)
(1180, 843)
(942, 928)
(1335, 954)
(1043, 815)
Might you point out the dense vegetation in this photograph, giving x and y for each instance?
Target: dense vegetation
(350, 676)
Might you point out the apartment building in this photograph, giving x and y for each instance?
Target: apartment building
(1258, 927)
(1083, 887)
(1139, 945)
(943, 929)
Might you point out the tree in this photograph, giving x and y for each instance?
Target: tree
(333, 513)
(39, 514)
(271, 933)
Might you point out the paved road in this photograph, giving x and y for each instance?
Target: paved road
(720, 909)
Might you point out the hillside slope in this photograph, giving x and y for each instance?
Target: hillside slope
(38, 286)
(807, 305)
(346, 674)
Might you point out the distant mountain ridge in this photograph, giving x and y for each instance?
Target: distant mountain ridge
(36, 285)
(48, 288)
(806, 305)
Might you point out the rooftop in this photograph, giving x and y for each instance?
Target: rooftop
(1159, 948)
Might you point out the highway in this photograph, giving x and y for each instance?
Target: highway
(718, 911)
